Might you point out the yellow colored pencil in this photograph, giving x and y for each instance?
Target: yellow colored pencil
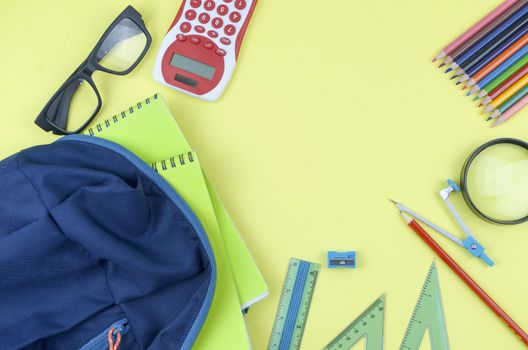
(512, 90)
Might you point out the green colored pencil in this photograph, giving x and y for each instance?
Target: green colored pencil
(501, 78)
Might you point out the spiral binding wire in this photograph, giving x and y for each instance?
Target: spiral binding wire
(115, 118)
(172, 162)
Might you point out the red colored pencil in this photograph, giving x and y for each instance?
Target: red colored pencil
(505, 85)
(466, 278)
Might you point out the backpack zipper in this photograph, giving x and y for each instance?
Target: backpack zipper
(100, 342)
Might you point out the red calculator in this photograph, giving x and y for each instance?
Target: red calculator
(200, 50)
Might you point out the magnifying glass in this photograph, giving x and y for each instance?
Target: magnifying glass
(494, 181)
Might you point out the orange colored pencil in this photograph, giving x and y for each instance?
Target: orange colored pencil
(512, 90)
(498, 61)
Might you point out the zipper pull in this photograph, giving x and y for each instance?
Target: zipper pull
(111, 345)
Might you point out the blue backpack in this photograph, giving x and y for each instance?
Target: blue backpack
(98, 251)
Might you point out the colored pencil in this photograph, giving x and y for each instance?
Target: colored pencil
(474, 29)
(511, 112)
(519, 95)
(496, 43)
(463, 275)
(491, 59)
(486, 30)
(494, 59)
(521, 83)
(514, 20)
(505, 85)
(501, 73)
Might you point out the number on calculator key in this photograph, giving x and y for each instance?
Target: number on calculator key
(209, 5)
(222, 10)
(229, 29)
(234, 17)
(204, 18)
(240, 4)
(217, 22)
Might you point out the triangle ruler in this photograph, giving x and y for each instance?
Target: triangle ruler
(369, 324)
(428, 314)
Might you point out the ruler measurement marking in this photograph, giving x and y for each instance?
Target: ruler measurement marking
(427, 314)
(294, 305)
(369, 323)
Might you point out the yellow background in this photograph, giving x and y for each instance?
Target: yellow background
(333, 108)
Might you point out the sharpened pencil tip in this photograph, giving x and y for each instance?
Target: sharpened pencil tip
(441, 65)
(497, 122)
(448, 70)
(458, 83)
(488, 119)
(392, 200)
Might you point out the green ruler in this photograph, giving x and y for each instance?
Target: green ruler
(294, 305)
(369, 324)
(428, 314)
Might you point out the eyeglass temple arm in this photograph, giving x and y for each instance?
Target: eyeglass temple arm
(60, 108)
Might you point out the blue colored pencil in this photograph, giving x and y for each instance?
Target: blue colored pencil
(500, 30)
(503, 67)
(468, 73)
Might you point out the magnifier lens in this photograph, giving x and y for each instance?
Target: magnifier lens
(497, 182)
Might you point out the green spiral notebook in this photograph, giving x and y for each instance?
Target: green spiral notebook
(149, 130)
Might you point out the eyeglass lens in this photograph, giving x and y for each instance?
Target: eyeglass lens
(73, 106)
(122, 47)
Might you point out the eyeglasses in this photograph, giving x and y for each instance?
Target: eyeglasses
(77, 102)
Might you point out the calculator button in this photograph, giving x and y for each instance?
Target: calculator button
(181, 37)
(240, 4)
(209, 5)
(217, 22)
(222, 10)
(212, 34)
(190, 15)
(196, 3)
(229, 29)
(185, 27)
(195, 40)
(228, 1)
(204, 18)
(225, 41)
(208, 45)
(199, 29)
(234, 17)
(220, 52)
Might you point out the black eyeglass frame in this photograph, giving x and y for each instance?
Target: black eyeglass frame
(84, 72)
(464, 175)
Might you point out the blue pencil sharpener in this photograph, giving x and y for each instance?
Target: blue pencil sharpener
(341, 259)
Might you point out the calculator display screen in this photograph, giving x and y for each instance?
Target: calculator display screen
(192, 66)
